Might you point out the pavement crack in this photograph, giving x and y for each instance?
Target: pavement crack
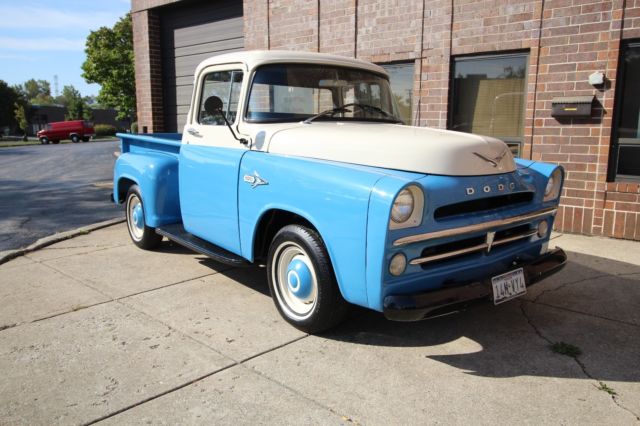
(588, 314)
(7, 326)
(24, 221)
(110, 299)
(577, 360)
(532, 325)
(295, 391)
(234, 363)
(567, 284)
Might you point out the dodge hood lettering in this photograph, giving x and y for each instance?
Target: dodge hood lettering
(413, 149)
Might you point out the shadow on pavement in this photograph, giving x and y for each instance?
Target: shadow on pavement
(593, 304)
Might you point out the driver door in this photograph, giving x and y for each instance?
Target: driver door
(210, 159)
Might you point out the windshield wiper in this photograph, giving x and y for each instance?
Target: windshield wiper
(327, 112)
(375, 109)
(344, 108)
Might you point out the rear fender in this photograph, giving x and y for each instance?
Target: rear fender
(157, 177)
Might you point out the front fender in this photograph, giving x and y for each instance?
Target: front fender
(333, 197)
(157, 177)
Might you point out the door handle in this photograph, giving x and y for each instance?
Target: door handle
(194, 132)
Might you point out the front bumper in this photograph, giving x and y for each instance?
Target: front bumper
(415, 307)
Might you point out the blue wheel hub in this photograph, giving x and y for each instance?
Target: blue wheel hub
(138, 217)
(299, 279)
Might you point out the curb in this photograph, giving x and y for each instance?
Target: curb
(7, 255)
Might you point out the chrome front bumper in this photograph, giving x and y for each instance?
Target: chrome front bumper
(458, 296)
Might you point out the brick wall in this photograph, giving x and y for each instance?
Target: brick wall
(293, 25)
(566, 41)
(148, 69)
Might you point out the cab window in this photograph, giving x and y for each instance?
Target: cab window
(225, 85)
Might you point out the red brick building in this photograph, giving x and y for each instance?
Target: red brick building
(492, 67)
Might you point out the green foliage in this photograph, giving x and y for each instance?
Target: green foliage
(104, 130)
(110, 63)
(76, 108)
(134, 127)
(36, 92)
(603, 387)
(8, 97)
(21, 118)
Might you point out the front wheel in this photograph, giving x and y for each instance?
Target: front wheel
(302, 282)
(75, 138)
(142, 235)
(44, 140)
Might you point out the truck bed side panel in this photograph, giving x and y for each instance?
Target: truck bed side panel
(152, 164)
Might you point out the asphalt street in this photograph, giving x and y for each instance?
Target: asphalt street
(46, 189)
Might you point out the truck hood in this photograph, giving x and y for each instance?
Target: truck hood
(398, 147)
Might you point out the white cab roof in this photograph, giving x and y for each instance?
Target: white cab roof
(255, 58)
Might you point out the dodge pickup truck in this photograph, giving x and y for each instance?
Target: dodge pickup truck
(298, 162)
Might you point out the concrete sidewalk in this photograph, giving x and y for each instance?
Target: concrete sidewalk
(95, 330)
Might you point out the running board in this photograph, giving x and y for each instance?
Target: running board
(178, 234)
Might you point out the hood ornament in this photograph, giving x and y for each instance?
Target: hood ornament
(495, 161)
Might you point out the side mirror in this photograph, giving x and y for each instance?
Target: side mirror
(213, 105)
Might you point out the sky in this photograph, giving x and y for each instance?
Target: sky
(41, 39)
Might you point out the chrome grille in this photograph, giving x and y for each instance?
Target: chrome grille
(486, 242)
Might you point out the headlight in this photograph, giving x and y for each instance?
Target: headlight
(407, 208)
(402, 206)
(552, 190)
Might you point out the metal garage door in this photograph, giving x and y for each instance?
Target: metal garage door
(191, 32)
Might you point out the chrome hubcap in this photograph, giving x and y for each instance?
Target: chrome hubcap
(296, 284)
(135, 217)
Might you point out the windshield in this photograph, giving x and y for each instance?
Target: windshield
(295, 92)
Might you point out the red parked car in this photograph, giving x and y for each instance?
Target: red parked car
(76, 130)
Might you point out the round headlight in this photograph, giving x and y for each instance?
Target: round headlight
(543, 227)
(402, 206)
(550, 184)
(552, 190)
(398, 264)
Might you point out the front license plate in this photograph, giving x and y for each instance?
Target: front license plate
(508, 286)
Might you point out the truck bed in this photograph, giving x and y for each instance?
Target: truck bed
(139, 142)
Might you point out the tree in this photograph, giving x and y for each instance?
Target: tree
(36, 92)
(8, 97)
(110, 63)
(76, 107)
(21, 118)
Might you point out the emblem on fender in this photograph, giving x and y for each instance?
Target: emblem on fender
(255, 180)
(495, 161)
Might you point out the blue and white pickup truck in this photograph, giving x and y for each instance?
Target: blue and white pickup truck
(299, 162)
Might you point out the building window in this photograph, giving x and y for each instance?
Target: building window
(401, 79)
(625, 153)
(488, 96)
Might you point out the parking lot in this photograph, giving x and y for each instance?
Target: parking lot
(54, 188)
(96, 330)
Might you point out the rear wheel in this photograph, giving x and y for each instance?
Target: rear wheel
(142, 235)
(44, 140)
(85, 139)
(302, 282)
(75, 138)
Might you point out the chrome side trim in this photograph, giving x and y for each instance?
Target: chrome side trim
(474, 228)
(479, 247)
